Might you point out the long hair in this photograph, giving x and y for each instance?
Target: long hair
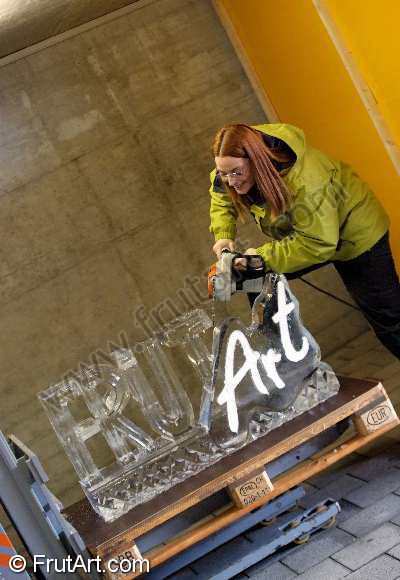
(244, 141)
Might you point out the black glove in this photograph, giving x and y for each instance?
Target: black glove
(249, 266)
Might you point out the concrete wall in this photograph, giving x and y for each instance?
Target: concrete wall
(25, 23)
(104, 162)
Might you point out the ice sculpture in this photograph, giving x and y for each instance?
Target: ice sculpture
(246, 381)
(267, 363)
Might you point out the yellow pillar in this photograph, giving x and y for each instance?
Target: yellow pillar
(298, 67)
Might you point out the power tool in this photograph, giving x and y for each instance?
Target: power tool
(235, 272)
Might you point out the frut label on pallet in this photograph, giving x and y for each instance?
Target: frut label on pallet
(251, 490)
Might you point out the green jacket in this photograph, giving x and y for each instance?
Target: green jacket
(335, 215)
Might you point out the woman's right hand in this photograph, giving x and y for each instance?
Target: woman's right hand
(221, 245)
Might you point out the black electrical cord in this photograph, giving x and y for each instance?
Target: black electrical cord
(329, 294)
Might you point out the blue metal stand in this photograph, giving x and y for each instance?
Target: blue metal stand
(35, 514)
(237, 547)
(34, 511)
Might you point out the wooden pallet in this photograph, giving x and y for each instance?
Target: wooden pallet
(244, 474)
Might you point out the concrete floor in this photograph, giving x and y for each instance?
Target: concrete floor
(364, 543)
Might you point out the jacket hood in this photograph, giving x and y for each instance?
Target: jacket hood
(293, 136)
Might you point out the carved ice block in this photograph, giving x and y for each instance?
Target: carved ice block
(248, 379)
(260, 372)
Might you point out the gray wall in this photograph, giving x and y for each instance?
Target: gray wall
(25, 23)
(104, 162)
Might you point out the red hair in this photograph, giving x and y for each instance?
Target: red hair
(244, 141)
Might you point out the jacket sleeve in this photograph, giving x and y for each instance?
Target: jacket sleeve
(315, 235)
(222, 212)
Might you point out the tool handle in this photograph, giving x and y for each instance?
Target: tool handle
(254, 266)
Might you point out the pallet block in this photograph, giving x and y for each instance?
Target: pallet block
(250, 490)
(364, 402)
(373, 417)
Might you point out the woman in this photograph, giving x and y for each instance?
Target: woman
(315, 209)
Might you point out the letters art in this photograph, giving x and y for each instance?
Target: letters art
(135, 425)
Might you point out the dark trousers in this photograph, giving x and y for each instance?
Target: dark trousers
(373, 283)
